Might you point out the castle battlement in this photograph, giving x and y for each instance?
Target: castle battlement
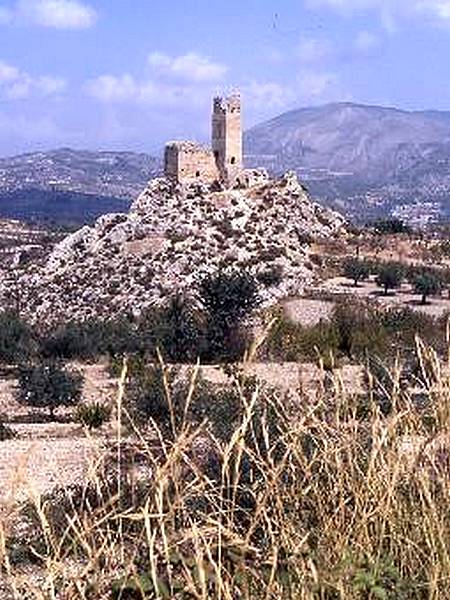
(188, 147)
(230, 104)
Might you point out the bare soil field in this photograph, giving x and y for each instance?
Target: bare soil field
(31, 467)
(47, 455)
(404, 297)
(307, 311)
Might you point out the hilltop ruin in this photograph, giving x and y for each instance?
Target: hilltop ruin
(186, 161)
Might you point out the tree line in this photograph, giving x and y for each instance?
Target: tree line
(425, 281)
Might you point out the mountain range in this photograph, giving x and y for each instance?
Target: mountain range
(72, 187)
(366, 161)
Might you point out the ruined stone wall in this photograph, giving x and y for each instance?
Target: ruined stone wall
(187, 161)
(247, 178)
(218, 135)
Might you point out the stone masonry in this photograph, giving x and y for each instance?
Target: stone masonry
(186, 162)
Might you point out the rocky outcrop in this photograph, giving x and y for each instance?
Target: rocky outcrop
(126, 263)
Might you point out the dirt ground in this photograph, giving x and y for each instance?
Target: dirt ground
(31, 467)
(404, 296)
(45, 455)
(307, 311)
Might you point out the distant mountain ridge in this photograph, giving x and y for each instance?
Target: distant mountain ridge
(366, 161)
(349, 138)
(67, 186)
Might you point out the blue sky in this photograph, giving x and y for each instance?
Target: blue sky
(129, 74)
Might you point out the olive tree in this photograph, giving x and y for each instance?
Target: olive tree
(228, 297)
(390, 277)
(427, 284)
(356, 269)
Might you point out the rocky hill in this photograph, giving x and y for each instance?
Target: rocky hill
(126, 263)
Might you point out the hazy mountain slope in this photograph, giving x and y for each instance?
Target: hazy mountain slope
(112, 174)
(72, 186)
(55, 207)
(350, 138)
(365, 160)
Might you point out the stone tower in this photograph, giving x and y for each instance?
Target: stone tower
(227, 136)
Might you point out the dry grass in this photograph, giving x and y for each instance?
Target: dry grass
(328, 501)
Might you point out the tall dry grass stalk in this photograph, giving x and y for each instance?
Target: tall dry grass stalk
(312, 499)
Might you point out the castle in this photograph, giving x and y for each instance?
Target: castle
(186, 161)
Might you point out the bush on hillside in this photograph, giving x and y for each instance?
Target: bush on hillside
(354, 331)
(291, 342)
(6, 433)
(93, 416)
(176, 329)
(427, 283)
(391, 226)
(90, 339)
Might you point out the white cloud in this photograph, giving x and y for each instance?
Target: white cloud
(441, 8)
(190, 67)
(59, 14)
(390, 10)
(18, 85)
(108, 88)
(317, 85)
(309, 87)
(312, 50)
(268, 95)
(366, 42)
(172, 81)
(8, 73)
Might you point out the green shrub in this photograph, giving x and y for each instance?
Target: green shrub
(228, 297)
(176, 329)
(359, 330)
(90, 339)
(391, 226)
(48, 385)
(271, 276)
(6, 433)
(93, 416)
(427, 283)
(355, 331)
(290, 342)
(17, 340)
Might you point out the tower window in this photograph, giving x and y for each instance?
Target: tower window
(233, 160)
(197, 174)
